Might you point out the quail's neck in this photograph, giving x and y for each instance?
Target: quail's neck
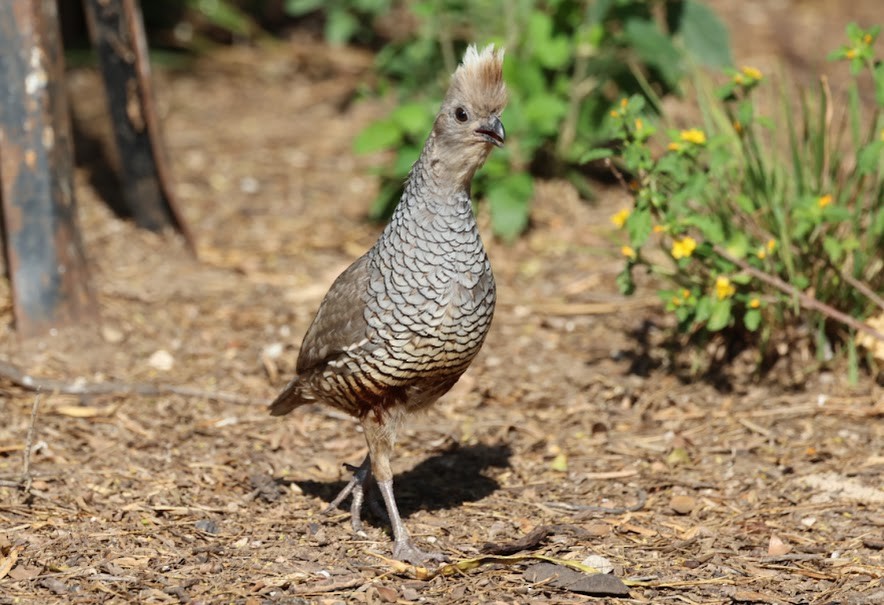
(448, 168)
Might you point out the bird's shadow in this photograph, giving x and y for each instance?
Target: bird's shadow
(444, 480)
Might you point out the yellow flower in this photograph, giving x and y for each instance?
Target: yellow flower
(676, 301)
(685, 293)
(673, 146)
(824, 200)
(771, 245)
(762, 253)
(851, 53)
(738, 79)
(628, 252)
(684, 247)
(754, 303)
(867, 39)
(738, 128)
(639, 124)
(752, 73)
(694, 135)
(624, 102)
(724, 288)
(615, 113)
(659, 229)
(619, 219)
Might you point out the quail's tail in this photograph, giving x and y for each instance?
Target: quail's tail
(291, 397)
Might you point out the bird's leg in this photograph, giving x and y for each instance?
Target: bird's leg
(381, 436)
(357, 486)
(403, 547)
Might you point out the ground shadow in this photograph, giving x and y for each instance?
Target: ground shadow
(445, 480)
(92, 154)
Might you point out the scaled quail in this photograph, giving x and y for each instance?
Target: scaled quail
(402, 323)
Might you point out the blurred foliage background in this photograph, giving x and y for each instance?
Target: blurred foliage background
(760, 231)
(568, 64)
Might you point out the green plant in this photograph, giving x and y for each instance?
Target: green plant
(345, 20)
(764, 222)
(567, 63)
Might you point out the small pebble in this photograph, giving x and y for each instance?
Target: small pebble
(112, 335)
(683, 505)
(161, 360)
(207, 525)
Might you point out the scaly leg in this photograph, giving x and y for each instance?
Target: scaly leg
(403, 547)
(381, 437)
(357, 486)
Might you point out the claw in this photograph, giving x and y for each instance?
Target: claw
(405, 550)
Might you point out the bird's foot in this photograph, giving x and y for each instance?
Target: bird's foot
(405, 550)
(359, 487)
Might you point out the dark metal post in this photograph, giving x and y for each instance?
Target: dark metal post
(44, 253)
(118, 37)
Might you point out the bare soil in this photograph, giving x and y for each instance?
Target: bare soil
(747, 489)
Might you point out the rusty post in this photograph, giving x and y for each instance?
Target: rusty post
(44, 254)
(118, 37)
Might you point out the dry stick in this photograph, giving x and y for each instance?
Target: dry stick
(29, 444)
(870, 294)
(806, 300)
(19, 377)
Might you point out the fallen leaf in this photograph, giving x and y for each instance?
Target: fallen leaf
(529, 541)
(677, 456)
(598, 585)
(8, 562)
(560, 463)
(599, 562)
(777, 547)
(387, 594)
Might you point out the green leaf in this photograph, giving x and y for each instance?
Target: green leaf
(624, 280)
(296, 8)
(510, 205)
(225, 15)
(595, 154)
(745, 203)
(655, 48)
(413, 118)
(752, 319)
(379, 135)
(832, 246)
(709, 225)
(638, 226)
(340, 26)
(738, 244)
(544, 112)
(720, 315)
(870, 157)
(705, 37)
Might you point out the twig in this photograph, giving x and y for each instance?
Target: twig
(867, 291)
(584, 510)
(19, 377)
(27, 479)
(806, 300)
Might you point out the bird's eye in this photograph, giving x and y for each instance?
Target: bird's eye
(461, 114)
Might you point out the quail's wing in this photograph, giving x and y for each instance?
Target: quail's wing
(340, 323)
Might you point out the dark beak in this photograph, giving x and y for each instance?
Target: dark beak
(493, 131)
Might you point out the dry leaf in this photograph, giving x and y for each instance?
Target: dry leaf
(85, 411)
(873, 345)
(599, 584)
(777, 547)
(8, 562)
